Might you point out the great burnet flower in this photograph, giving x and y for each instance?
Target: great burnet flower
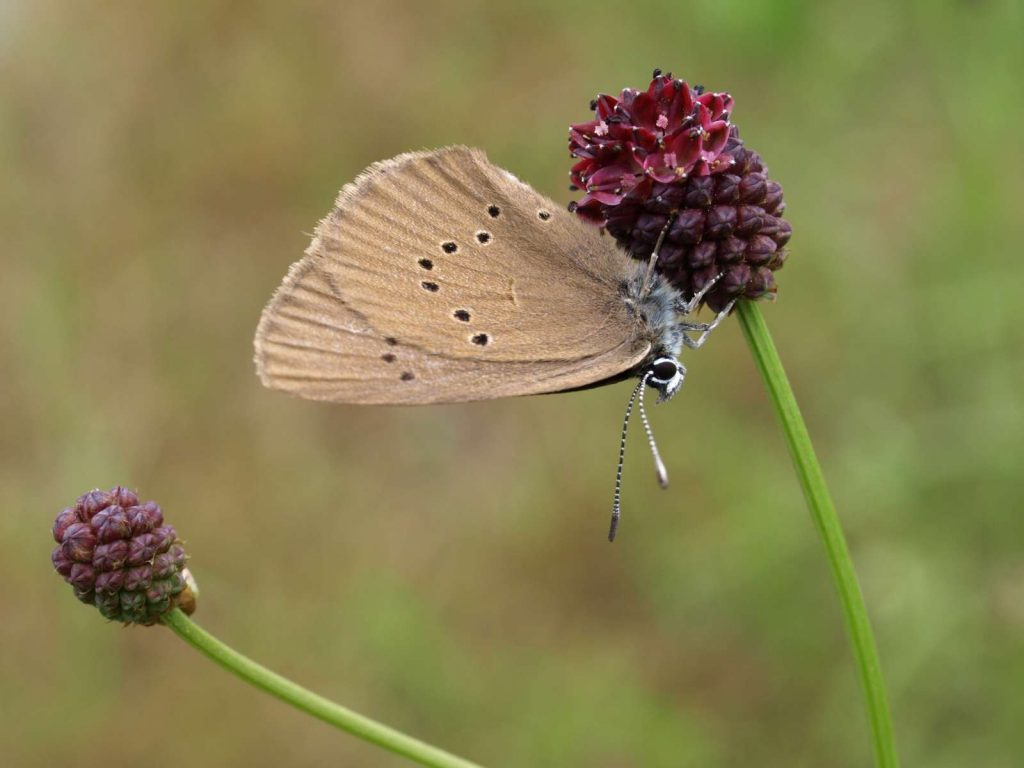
(118, 555)
(669, 156)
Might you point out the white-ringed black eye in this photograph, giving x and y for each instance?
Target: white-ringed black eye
(664, 370)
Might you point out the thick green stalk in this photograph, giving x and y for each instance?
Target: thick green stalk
(309, 702)
(812, 481)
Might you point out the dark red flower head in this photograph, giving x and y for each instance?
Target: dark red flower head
(118, 555)
(670, 157)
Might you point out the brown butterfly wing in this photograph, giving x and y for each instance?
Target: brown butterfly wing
(439, 277)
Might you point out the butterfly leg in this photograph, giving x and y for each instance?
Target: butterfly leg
(686, 325)
(686, 307)
(649, 275)
(709, 327)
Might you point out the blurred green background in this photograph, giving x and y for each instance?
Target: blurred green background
(445, 569)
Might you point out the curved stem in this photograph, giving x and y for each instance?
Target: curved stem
(309, 702)
(812, 481)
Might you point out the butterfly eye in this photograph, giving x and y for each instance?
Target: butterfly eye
(664, 370)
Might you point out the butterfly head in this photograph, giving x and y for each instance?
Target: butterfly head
(666, 375)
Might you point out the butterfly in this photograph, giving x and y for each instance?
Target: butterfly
(440, 278)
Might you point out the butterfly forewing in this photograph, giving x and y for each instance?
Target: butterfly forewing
(439, 277)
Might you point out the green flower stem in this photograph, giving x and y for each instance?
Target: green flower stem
(309, 702)
(816, 492)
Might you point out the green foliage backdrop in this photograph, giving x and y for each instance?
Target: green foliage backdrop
(445, 569)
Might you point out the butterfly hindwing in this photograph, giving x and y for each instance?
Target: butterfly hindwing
(439, 277)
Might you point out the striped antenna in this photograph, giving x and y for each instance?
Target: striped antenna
(659, 465)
